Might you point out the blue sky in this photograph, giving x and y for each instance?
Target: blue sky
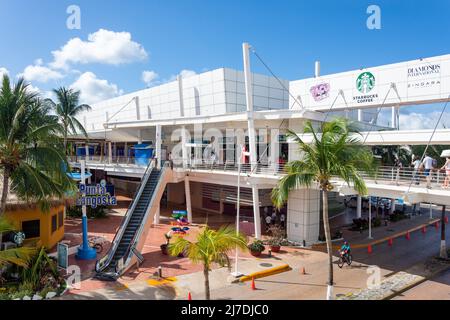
(166, 37)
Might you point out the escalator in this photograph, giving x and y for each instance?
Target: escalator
(130, 238)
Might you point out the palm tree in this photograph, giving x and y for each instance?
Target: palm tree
(31, 158)
(211, 246)
(18, 256)
(335, 152)
(67, 108)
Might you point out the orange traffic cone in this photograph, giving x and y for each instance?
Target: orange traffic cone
(253, 284)
(369, 248)
(189, 296)
(390, 242)
(408, 236)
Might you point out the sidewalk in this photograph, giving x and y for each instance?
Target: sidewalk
(174, 287)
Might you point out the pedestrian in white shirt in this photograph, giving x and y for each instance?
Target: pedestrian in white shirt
(428, 166)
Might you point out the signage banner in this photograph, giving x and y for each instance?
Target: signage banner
(63, 255)
(413, 82)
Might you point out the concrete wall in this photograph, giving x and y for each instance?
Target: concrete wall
(303, 206)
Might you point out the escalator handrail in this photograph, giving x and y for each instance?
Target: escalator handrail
(102, 263)
(129, 252)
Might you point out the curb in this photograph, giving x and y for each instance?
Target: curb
(264, 273)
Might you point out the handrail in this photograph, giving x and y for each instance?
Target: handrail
(137, 235)
(100, 264)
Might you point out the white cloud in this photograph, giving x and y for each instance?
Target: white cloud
(40, 73)
(103, 46)
(93, 89)
(419, 121)
(3, 71)
(149, 77)
(185, 73)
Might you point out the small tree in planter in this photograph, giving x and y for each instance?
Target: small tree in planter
(256, 247)
(164, 246)
(276, 239)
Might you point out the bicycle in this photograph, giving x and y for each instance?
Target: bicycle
(97, 243)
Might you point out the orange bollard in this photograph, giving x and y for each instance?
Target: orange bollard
(390, 242)
(189, 296)
(369, 248)
(253, 284)
(424, 229)
(408, 236)
(303, 270)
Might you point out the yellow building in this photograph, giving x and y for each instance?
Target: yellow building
(46, 228)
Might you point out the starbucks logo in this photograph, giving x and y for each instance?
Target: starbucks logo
(365, 82)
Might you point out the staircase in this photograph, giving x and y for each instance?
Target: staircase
(130, 233)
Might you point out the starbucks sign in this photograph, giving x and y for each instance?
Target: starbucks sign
(365, 82)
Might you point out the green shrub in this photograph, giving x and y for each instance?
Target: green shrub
(256, 246)
(92, 213)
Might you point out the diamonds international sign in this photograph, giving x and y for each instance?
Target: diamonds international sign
(413, 82)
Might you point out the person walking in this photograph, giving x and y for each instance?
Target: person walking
(446, 167)
(169, 157)
(416, 166)
(282, 220)
(428, 166)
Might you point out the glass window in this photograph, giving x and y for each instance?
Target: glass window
(32, 229)
(54, 223)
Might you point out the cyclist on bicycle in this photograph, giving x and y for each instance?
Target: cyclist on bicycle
(345, 249)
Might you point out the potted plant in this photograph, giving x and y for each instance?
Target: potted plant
(164, 246)
(256, 247)
(274, 244)
(276, 239)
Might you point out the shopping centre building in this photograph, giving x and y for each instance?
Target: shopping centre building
(227, 127)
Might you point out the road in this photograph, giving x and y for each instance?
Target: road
(293, 285)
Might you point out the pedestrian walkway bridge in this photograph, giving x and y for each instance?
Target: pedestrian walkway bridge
(388, 182)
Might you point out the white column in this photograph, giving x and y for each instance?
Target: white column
(392, 205)
(109, 152)
(183, 146)
(187, 190)
(303, 216)
(139, 136)
(86, 150)
(360, 115)
(158, 145)
(249, 101)
(358, 206)
(157, 215)
(138, 108)
(274, 148)
(251, 134)
(180, 94)
(393, 117)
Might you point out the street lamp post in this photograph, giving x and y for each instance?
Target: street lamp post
(85, 252)
(236, 272)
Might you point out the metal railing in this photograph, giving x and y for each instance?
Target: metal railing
(100, 264)
(137, 236)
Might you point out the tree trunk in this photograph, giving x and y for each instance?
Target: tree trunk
(443, 252)
(5, 190)
(206, 275)
(326, 226)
